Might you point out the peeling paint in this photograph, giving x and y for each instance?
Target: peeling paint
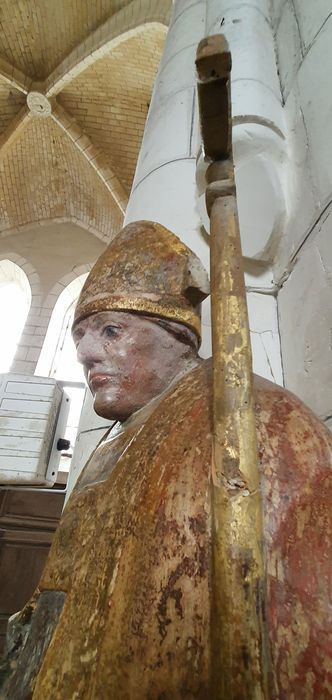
(139, 590)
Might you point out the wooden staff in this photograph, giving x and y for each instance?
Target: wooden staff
(239, 638)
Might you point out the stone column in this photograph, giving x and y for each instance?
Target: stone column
(164, 187)
(258, 121)
(260, 147)
(165, 184)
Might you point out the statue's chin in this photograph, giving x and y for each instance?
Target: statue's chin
(117, 411)
(114, 404)
(107, 405)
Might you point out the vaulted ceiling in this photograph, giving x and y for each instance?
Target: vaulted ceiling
(75, 84)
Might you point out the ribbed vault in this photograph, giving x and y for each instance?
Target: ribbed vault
(75, 84)
(54, 181)
(36, 34)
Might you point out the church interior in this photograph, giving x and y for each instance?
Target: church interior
(99, 127)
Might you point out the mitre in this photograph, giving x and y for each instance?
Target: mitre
(147, 270)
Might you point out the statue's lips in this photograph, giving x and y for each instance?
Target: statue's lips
(99, 379)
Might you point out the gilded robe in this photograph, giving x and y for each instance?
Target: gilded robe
(132, 557)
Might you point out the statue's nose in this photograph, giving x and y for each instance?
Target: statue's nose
(89, 349)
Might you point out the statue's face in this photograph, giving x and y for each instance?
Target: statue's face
(127, 360)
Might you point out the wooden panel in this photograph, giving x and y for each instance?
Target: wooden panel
(23, 508)
(28, 520)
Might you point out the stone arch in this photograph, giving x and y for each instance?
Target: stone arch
(117, 28)
(65, 283)
(61, 300)
(27, 269)
(31, 339)
(31, 225)
(14, 281)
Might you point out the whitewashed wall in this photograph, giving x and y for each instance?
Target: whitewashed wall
(303, 266)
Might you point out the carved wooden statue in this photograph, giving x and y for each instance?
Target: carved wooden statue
(128, 603)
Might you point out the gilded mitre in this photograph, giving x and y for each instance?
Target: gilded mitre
(148, 270)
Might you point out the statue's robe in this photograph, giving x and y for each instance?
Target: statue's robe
(132, 558)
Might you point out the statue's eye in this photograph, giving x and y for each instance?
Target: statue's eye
(77, 336)
(110, 331)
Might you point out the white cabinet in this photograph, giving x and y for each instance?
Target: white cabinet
(33, 416)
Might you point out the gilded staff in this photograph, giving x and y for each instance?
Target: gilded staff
(239, 638)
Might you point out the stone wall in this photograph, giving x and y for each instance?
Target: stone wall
(303, 266)
(51, 256)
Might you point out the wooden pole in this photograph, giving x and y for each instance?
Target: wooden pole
(239, 638)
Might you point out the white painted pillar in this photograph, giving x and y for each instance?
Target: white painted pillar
(164, 187)
(259, 153)
(258, 121)
(91, 430)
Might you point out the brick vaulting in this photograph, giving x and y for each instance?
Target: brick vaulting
(75, 84)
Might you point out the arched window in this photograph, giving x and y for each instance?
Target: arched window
(58, 359)
(58, 356)
(15, 300)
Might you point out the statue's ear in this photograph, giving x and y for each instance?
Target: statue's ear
(197, 282)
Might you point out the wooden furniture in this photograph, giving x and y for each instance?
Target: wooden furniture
(28, 519)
